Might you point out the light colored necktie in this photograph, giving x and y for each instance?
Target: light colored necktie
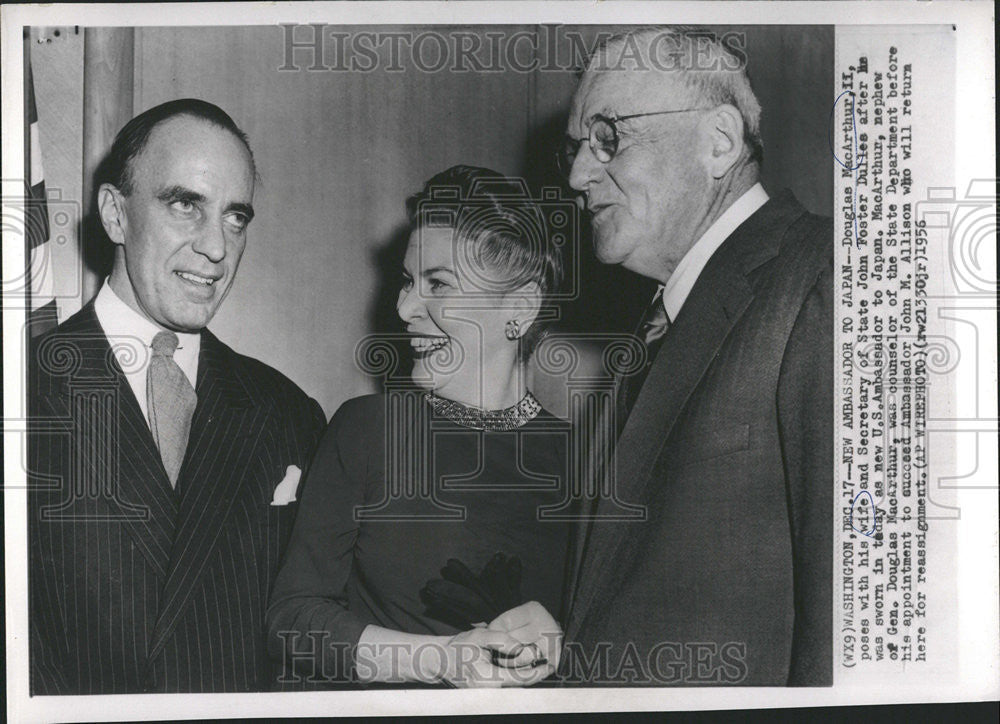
(170, 400)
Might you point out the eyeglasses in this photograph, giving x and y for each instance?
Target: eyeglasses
(603, 138)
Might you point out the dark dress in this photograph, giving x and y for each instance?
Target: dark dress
(369, 538)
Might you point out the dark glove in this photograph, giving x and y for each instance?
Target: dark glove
(461, 598)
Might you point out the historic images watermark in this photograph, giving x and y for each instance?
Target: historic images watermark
(552, 48)
(313, 660)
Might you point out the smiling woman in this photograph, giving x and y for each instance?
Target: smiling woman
(478, 268)
(468, 469)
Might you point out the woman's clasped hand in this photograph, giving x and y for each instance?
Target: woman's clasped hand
(518, 648)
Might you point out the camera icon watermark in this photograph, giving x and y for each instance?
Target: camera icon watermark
(965, 226)
(970, 225)
(48, 226)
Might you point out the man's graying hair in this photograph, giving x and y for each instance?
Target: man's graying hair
(697, 60)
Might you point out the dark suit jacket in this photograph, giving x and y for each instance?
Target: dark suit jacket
(730, 449)
(135, 587)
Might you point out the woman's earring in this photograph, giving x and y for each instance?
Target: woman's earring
(512, 329)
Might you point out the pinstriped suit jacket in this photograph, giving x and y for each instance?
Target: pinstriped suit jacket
(134, 586)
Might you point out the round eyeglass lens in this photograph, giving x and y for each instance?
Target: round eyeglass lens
(603, 139)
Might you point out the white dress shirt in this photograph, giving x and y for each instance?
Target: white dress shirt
(130, 335)
(680, 283)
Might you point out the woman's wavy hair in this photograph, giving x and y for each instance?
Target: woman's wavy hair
(507, 239)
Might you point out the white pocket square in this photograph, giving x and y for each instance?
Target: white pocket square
(285, 492)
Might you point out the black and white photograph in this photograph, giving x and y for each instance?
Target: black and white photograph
(356, 354)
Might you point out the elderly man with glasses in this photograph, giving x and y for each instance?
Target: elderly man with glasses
(726, 440)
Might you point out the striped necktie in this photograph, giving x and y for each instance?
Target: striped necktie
(651, 330)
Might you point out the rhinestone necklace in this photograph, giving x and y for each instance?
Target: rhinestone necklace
(509, 418)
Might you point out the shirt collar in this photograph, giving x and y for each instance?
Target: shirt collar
(680, 283)
(122, 323)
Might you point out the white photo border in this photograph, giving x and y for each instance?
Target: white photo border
(976, 554)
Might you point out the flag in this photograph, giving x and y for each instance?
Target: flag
(43, 312)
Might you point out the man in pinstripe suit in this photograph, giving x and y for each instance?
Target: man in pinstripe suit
(163, 464)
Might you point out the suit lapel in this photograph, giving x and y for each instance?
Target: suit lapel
(224, 432)
(143, 478)
(687, 351)
(715, 304)
(115, 446)
(597, 458)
